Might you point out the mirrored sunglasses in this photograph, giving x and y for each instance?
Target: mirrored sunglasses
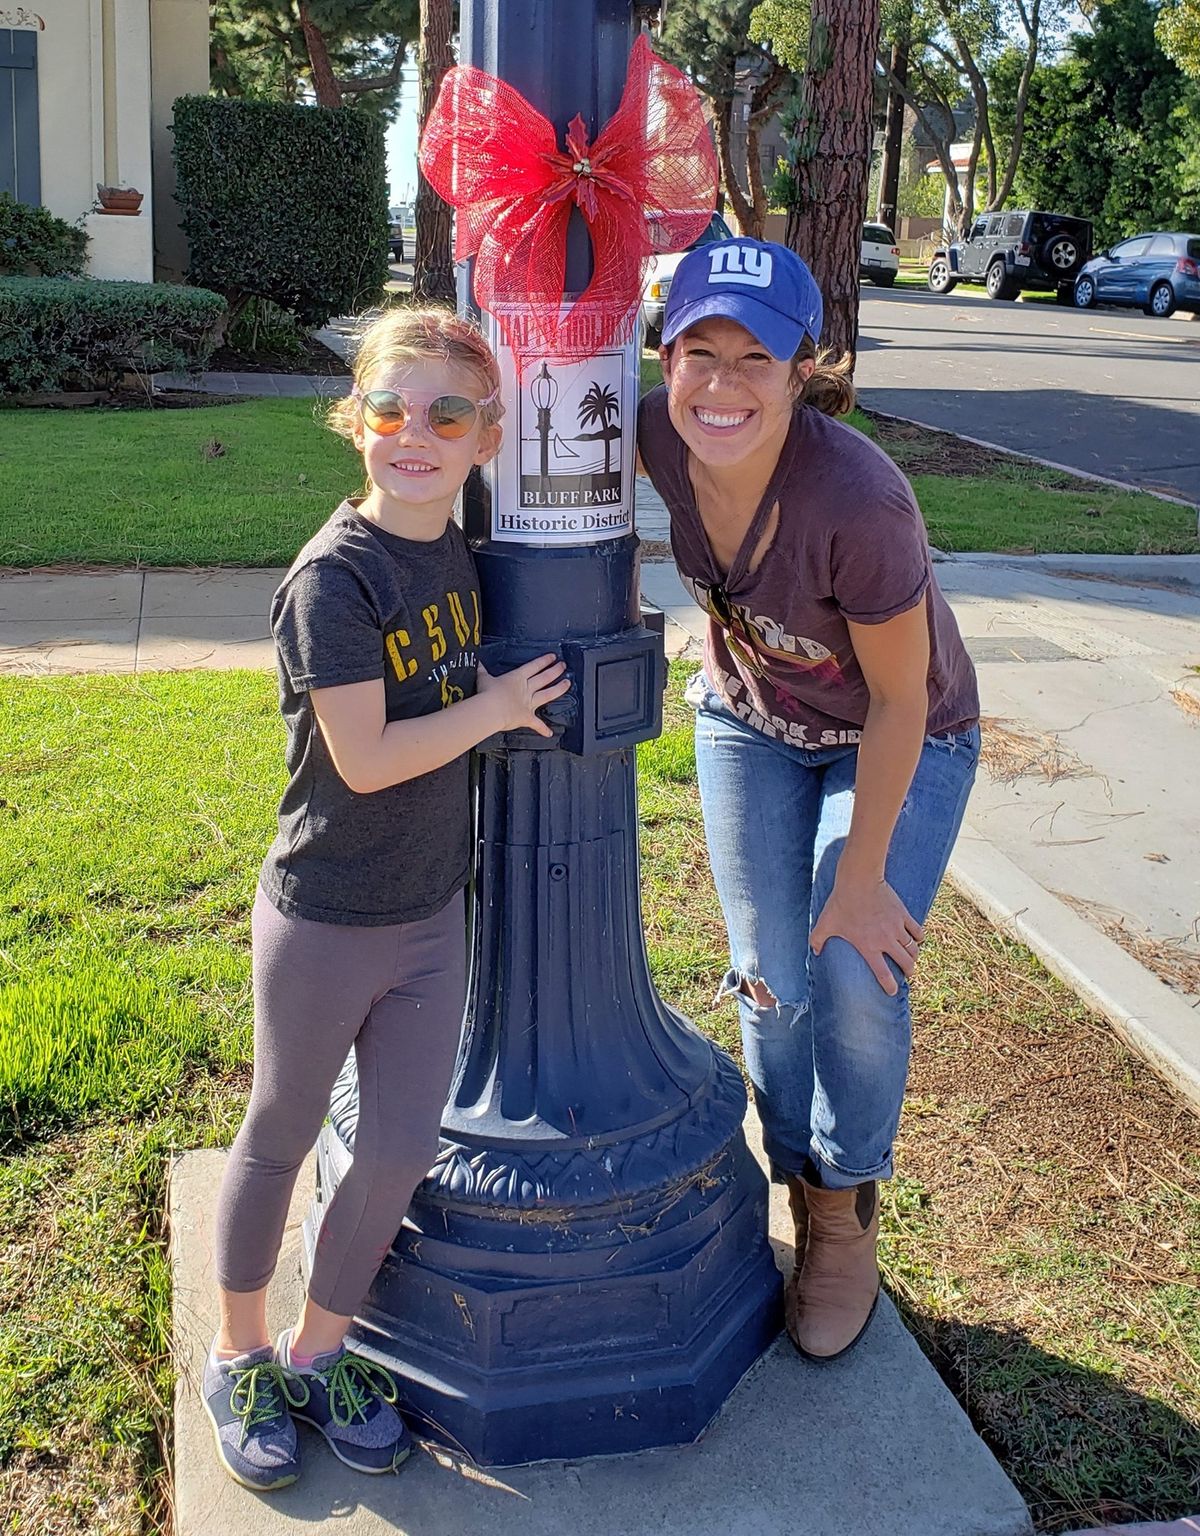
(387, 412)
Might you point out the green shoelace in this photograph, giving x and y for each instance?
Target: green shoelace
(255, 1394)
(350, 1380)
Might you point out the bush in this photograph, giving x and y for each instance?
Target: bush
(283, 202)
(83, 333)
(33, 243)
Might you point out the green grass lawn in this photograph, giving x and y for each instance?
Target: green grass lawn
(135, 813)
(248, 483)
(241, 484)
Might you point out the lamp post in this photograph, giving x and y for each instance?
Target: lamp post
(544, 392)
(586, 1269)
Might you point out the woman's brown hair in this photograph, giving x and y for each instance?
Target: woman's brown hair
(830, 387)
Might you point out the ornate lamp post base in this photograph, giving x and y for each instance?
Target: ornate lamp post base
(568, 1328)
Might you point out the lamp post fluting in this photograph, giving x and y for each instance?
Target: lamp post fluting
(586, 1268)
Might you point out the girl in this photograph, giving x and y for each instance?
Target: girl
(358, 924)
(836, 738)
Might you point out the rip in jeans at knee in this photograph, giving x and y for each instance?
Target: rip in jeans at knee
(756, 991)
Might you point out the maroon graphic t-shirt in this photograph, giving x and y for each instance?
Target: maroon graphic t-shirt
(850, 544)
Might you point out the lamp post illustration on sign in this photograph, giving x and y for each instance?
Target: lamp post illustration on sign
(564, 474)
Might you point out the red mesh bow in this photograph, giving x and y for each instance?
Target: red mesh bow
(647, 184)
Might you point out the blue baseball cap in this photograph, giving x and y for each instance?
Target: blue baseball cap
(764, 287)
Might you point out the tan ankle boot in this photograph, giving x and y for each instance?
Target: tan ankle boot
(799, 1208)
(838, 1283)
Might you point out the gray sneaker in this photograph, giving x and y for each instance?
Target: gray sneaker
(350, 1401)
(247, 1401)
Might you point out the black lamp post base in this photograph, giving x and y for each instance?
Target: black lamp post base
(518, 1335)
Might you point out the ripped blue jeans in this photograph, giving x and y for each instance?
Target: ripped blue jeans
(829, 1059)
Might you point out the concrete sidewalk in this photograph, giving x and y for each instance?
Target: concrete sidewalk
(872, 1445)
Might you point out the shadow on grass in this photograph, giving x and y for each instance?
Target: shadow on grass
(1084, 1450)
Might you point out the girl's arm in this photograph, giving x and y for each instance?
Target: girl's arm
(862, 908)
(371, 753)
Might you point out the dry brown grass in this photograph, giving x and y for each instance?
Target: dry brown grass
(1171, 960)
(1012, 751)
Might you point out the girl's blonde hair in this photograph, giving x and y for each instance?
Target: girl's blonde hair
(416, 335)
(830, 387)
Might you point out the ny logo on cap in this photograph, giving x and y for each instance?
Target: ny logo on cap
(740, 264)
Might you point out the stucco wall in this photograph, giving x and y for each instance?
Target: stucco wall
(178, 67)
(82, 144)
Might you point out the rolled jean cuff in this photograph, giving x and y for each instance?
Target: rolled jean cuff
(786, 1162)
(833, 1177)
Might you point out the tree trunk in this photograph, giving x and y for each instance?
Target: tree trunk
(433, 262)
(887, 209)
(1032, 21)
(833, 157)
(329, 93)
(743, 210)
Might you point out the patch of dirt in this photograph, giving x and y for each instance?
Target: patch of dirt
(316, 360)
(656, 549)
(922, 450)
(1047, 1251)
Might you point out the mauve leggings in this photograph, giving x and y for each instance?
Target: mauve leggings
(396, 995)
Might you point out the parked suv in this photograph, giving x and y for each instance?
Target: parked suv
(1011, 251)
(879, 255)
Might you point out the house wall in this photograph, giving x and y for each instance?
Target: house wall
(178, 67)
(89, 131)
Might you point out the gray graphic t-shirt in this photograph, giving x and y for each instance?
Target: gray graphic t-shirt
(360, 604)
(850, 544)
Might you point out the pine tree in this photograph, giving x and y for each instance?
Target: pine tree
(433, 268)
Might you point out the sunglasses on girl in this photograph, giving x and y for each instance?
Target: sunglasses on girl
(387, 412)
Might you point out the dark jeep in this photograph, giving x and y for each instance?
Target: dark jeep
(1010, 251)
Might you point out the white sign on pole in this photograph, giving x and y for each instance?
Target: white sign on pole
(564, 473)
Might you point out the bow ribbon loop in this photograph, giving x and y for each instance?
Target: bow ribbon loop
(646, 184)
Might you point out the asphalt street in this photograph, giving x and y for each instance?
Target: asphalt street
(1109, 391)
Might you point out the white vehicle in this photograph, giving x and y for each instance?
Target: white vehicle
(879, 258)
(662, 270)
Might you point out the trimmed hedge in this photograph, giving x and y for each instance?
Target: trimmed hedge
(284, 202)
(34, 243)
(84, 333)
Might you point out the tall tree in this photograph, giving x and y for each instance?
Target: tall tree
(711, 40)
(340, 51)
(832, 156)
(1110, 130)
(433, 268)
(1178, 33)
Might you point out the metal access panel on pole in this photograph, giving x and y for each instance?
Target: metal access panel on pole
(586, 1268)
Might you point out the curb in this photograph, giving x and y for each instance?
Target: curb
(1155, 1022)
(1033, 458)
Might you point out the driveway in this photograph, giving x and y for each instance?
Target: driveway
(1109, 391)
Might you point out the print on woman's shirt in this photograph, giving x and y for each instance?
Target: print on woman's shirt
(735, 694)
(754, 640)
(440, 626)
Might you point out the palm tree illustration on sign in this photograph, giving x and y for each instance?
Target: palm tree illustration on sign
(600, 404)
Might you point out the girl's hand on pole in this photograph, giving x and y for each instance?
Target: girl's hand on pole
(874, 919)
(519, 694)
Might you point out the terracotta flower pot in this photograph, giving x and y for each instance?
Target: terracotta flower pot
(119, 199)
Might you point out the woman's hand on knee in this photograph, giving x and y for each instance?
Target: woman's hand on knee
(871, 917)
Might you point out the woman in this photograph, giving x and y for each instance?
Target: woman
(836, 739)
